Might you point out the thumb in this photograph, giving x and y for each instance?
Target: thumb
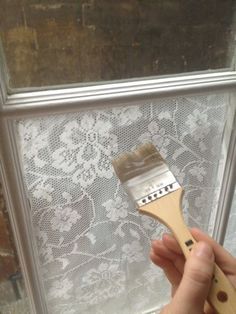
(196, 281)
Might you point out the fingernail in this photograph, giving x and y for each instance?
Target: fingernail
(203, 250)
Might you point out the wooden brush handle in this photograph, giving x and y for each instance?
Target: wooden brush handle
(222, 295)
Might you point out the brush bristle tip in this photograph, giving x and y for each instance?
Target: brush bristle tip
(132, 164)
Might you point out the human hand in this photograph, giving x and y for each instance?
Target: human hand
(191, 280)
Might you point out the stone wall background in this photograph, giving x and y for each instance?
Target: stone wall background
(8, 259)
(11, 282)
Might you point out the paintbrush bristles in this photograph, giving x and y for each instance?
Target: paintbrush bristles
(133, 164)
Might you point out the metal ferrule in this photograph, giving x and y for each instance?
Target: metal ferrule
(152, 185)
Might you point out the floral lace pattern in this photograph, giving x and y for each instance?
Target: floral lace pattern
(92, 244)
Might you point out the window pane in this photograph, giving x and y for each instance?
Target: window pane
(78, 41)
(12, 292)
(93, 245)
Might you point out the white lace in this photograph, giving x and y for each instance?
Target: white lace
(93, 245)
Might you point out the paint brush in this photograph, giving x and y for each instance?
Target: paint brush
(156, 192)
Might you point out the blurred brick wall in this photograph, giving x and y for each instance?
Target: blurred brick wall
(8, 259)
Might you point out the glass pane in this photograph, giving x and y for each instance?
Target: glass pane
(12, 292)
(93, 245)
(77, 41)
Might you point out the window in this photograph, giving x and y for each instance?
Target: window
(81, 82)
(91, 41)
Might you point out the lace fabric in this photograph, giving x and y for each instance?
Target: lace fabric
(92, 244)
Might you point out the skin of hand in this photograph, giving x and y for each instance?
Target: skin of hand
(191, 279)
